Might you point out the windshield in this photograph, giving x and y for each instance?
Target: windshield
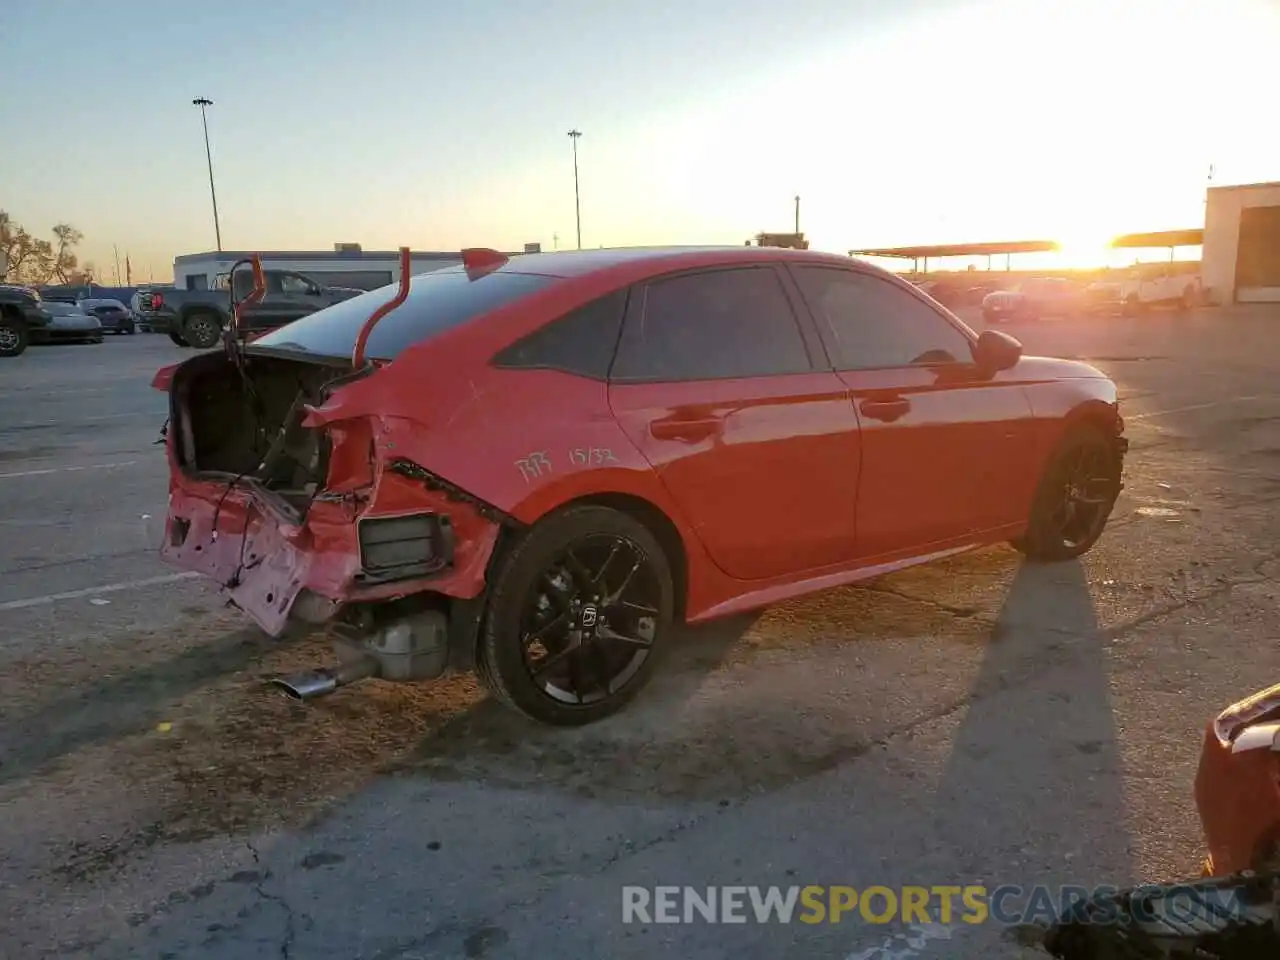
(60, 309)
(437, 301)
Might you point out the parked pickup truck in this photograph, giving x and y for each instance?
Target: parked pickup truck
(196, 318)
(22, 318)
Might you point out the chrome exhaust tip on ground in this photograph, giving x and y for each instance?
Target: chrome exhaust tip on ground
(311, 684)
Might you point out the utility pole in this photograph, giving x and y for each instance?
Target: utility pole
(797, 215)
(202, 103)
(577, 204)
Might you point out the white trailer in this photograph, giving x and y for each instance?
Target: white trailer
(365, 269)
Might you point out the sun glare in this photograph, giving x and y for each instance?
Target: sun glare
(1084, 250)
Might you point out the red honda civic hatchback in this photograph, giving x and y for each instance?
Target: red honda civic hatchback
(550, 460)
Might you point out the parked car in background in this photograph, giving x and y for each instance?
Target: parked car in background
(114, 316)
(1033, 299)
(649, 417)
(68, 324)
(196, 318)
(22, 313)
(1162, 288)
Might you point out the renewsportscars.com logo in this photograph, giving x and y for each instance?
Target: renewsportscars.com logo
(1008, 905)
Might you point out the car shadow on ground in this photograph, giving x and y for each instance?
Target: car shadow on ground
(112, 707)
(1042, 692)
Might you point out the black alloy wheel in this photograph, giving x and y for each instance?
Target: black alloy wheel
(577, 616)
(1076, 497)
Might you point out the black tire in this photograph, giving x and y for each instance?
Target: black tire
(14, 338)
(177, 338)
(522, 573)
(130, 330)
(202, 330)
(1052, 537)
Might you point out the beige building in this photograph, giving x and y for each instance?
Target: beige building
(1241, 253)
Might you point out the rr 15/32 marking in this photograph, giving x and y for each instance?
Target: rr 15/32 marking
(591, 456)
(534, 466)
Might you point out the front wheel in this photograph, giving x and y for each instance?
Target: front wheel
(13, 336)
(177, 338)
(1075, 497)
(576, 617)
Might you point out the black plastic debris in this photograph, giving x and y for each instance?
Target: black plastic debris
(1232, 918)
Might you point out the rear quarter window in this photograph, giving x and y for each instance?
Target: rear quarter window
(437, 301)
(582, 342)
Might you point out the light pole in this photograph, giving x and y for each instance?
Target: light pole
(577, 205)
(203, 102)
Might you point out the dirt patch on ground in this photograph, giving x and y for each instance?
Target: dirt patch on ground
(187, 729)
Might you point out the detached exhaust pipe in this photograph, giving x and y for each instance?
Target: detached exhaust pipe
(311, 684)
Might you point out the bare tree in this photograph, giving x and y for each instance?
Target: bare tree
(30, 260)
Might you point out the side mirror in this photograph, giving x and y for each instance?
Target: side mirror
(996, 351)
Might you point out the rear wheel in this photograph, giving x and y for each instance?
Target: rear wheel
(202, 330)
(576, 617)
(13, 335)
(177, 338)
(1075, 497)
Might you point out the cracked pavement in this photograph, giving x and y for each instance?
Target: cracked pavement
(974, 721)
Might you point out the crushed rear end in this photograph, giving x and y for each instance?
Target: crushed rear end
(287, 489)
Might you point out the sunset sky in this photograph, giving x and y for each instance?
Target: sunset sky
(443, 124)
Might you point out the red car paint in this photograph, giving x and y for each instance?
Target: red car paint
(1237, 786)
(774, 486)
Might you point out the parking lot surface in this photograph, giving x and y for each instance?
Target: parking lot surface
(976, 721)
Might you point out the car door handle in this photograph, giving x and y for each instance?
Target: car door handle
(886, 410)
(688, 430)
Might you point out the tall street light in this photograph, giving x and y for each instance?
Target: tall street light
(577, 205)
(203, 102)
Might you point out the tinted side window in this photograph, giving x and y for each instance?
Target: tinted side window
(712, 325)
(871, 323)
(293, 283)
(581, 342)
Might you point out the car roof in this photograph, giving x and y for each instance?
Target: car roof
(641, 261)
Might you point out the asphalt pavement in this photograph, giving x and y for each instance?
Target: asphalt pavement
(978, 721)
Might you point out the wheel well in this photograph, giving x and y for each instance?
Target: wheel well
(660, 525)
(9, 310)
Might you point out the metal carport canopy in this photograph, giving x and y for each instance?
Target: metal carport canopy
(960, 250)
(1162, 238)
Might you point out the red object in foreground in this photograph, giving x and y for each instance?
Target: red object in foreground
(553, 458)
(1238, 786)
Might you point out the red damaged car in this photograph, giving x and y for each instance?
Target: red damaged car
(1238, 786)
(550, 460)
